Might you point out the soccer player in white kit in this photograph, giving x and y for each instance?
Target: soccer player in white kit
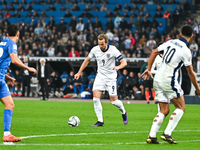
(175, 54)
(106, 78)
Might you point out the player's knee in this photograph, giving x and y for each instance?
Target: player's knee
(95, 99)
(10, 106)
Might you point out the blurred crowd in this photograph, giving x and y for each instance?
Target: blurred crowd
(76, 38)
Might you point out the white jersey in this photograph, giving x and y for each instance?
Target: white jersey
(175, 54)
(106, 61)
(156, 64)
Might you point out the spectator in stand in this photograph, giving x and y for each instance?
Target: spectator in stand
(118, 7)
(11, 8)
(51, 23)
(73, 53)
(159, 8)
(135, 7)
(20, 7)
(72, 24)
(63, 8)
(16, 14)
(143, 40)
(87, 8)
(61, 27)
(89, 24)
(7, 14)
(97, 24)
(151, 42)
(110, 24)
(75, 7)
(94, 7)
(198, 64)
(123, 24)
(104, 7)
(80, 25)
(110, 35)
(39, 29)
(117, 21)
(127, 7)
(109, 14)
(138, 23)
(29, 7)
(166, 14)
(67, 14)
(158, 15)
(168, 37)
(43, 15)
(86, 14)
(51, 50)
(161, 29)
(51, 8)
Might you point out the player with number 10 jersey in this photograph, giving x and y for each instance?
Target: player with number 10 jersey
(175, 54)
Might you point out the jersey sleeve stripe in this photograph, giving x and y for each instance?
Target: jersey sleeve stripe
(120, 57)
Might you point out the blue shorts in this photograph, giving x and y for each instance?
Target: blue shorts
(4, 91)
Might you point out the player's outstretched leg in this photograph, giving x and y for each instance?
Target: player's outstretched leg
(120, 106)
(11, 138)
(152, 140)
(168, 138)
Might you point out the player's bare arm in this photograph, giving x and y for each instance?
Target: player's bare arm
(83, 66)
(15, 60)
(193, 78)
(123, 64)
(147, 73)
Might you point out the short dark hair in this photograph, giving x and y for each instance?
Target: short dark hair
(12, 30)
(187, 30)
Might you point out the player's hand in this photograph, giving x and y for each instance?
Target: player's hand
(31, 69)
(76, 76)
(198, 92)
(116, 68)
(146, 74)
(12, 80)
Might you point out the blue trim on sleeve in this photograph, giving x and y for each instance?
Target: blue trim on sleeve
(120, 57)
(173, 79)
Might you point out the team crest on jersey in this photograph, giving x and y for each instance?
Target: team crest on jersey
(14, 46)
(108, 55)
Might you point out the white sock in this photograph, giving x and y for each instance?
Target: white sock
(6, 133)
(119, 105)
(158, 107)
(98, 109)
(157, 122)
(173, 121)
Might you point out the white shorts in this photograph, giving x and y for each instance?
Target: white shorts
(101, 84)
(166, 91)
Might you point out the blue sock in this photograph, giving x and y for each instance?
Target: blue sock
(13, 89)
(90, 85)
(7, 118)
(75, 89)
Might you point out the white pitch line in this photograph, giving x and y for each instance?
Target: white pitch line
(69, 134)
(90, 144)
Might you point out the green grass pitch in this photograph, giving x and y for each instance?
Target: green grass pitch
(43, 125)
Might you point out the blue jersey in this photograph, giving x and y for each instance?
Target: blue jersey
(7, 46)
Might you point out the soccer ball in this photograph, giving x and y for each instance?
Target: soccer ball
(74, 121)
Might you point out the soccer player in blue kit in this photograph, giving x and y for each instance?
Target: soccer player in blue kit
(8, 54)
